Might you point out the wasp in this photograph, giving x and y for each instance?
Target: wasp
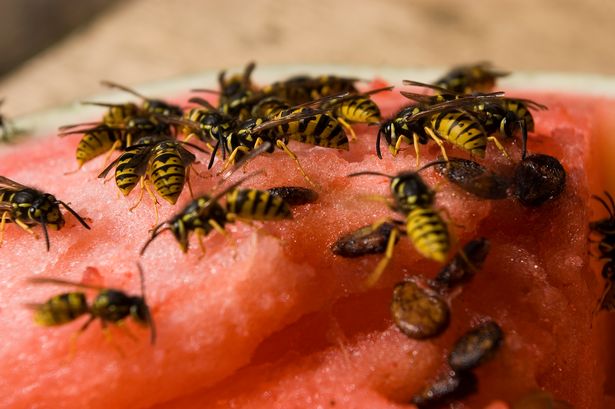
(161, 161)
(498, 115)
(149, 105)
(206, 214)
(303, 124)
(355, 109)
(110, 306)
(237, 94)
(466, 79)
(302, 88)
(105, 138)
(26, 207)
(445, 121)
(423, 225)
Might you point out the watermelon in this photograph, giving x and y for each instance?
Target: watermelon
(272, 318)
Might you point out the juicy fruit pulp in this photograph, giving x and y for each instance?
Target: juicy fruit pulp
(272, 318)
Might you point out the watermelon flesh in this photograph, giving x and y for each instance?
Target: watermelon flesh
(271, 318)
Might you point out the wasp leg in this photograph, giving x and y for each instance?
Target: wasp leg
(290, 153)
(122, 325)
(437, 140)
(25, 227)
(605, 292)
(141, 192)
(415, 140)
(5, 216)
(109, 339)
(382, 264)
(231, 159)
(188, 170)
(499, 146)
(189, 136)
(397, 146)
(199, 237)
(72, 349)
(154, 199)
(115, 145)
(348, 127)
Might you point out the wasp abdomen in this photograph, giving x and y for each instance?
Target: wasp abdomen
(256, 204)
(61, 309)
(429, 233)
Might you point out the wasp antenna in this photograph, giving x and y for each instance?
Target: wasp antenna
(378, 151)
(213, 155)
(74, 213)
(115, 85)
(202, 102)
(606, 206)
(369, 172)
(155, 233)
(436, 162)
(142, 277)
(247, 73)
(254, 153)
(45, 233)
(205, 90)
(608, 195)
(149, 319)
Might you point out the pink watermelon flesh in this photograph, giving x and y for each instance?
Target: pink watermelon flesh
(272, 319)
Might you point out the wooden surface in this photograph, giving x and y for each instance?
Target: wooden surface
(144, 40)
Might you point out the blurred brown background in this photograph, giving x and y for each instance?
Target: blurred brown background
(57, 51)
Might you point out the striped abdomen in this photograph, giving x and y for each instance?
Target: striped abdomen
(320, 130)
(461, 130)
(96, 142)
(131, 167)
(428, 233)
(167, 169)
(359, 109)
(118, 115)
(61, 309)
(256, 204)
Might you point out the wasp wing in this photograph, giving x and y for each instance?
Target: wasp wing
(59, 281)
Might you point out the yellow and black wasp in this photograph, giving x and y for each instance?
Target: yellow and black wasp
(498, 114)
(300, 123)
(465, 79)
(355, 109)
(159, 160)
(414, 200)
(206, 213)
(149, 105)
(302, 88)
(110, 306)
(208, 124)
(237, 94)
(444, 121)
(104, 138)
(26, 207)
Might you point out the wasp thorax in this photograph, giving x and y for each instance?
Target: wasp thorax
(111, 305)
(410, 191)
(139, 311)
